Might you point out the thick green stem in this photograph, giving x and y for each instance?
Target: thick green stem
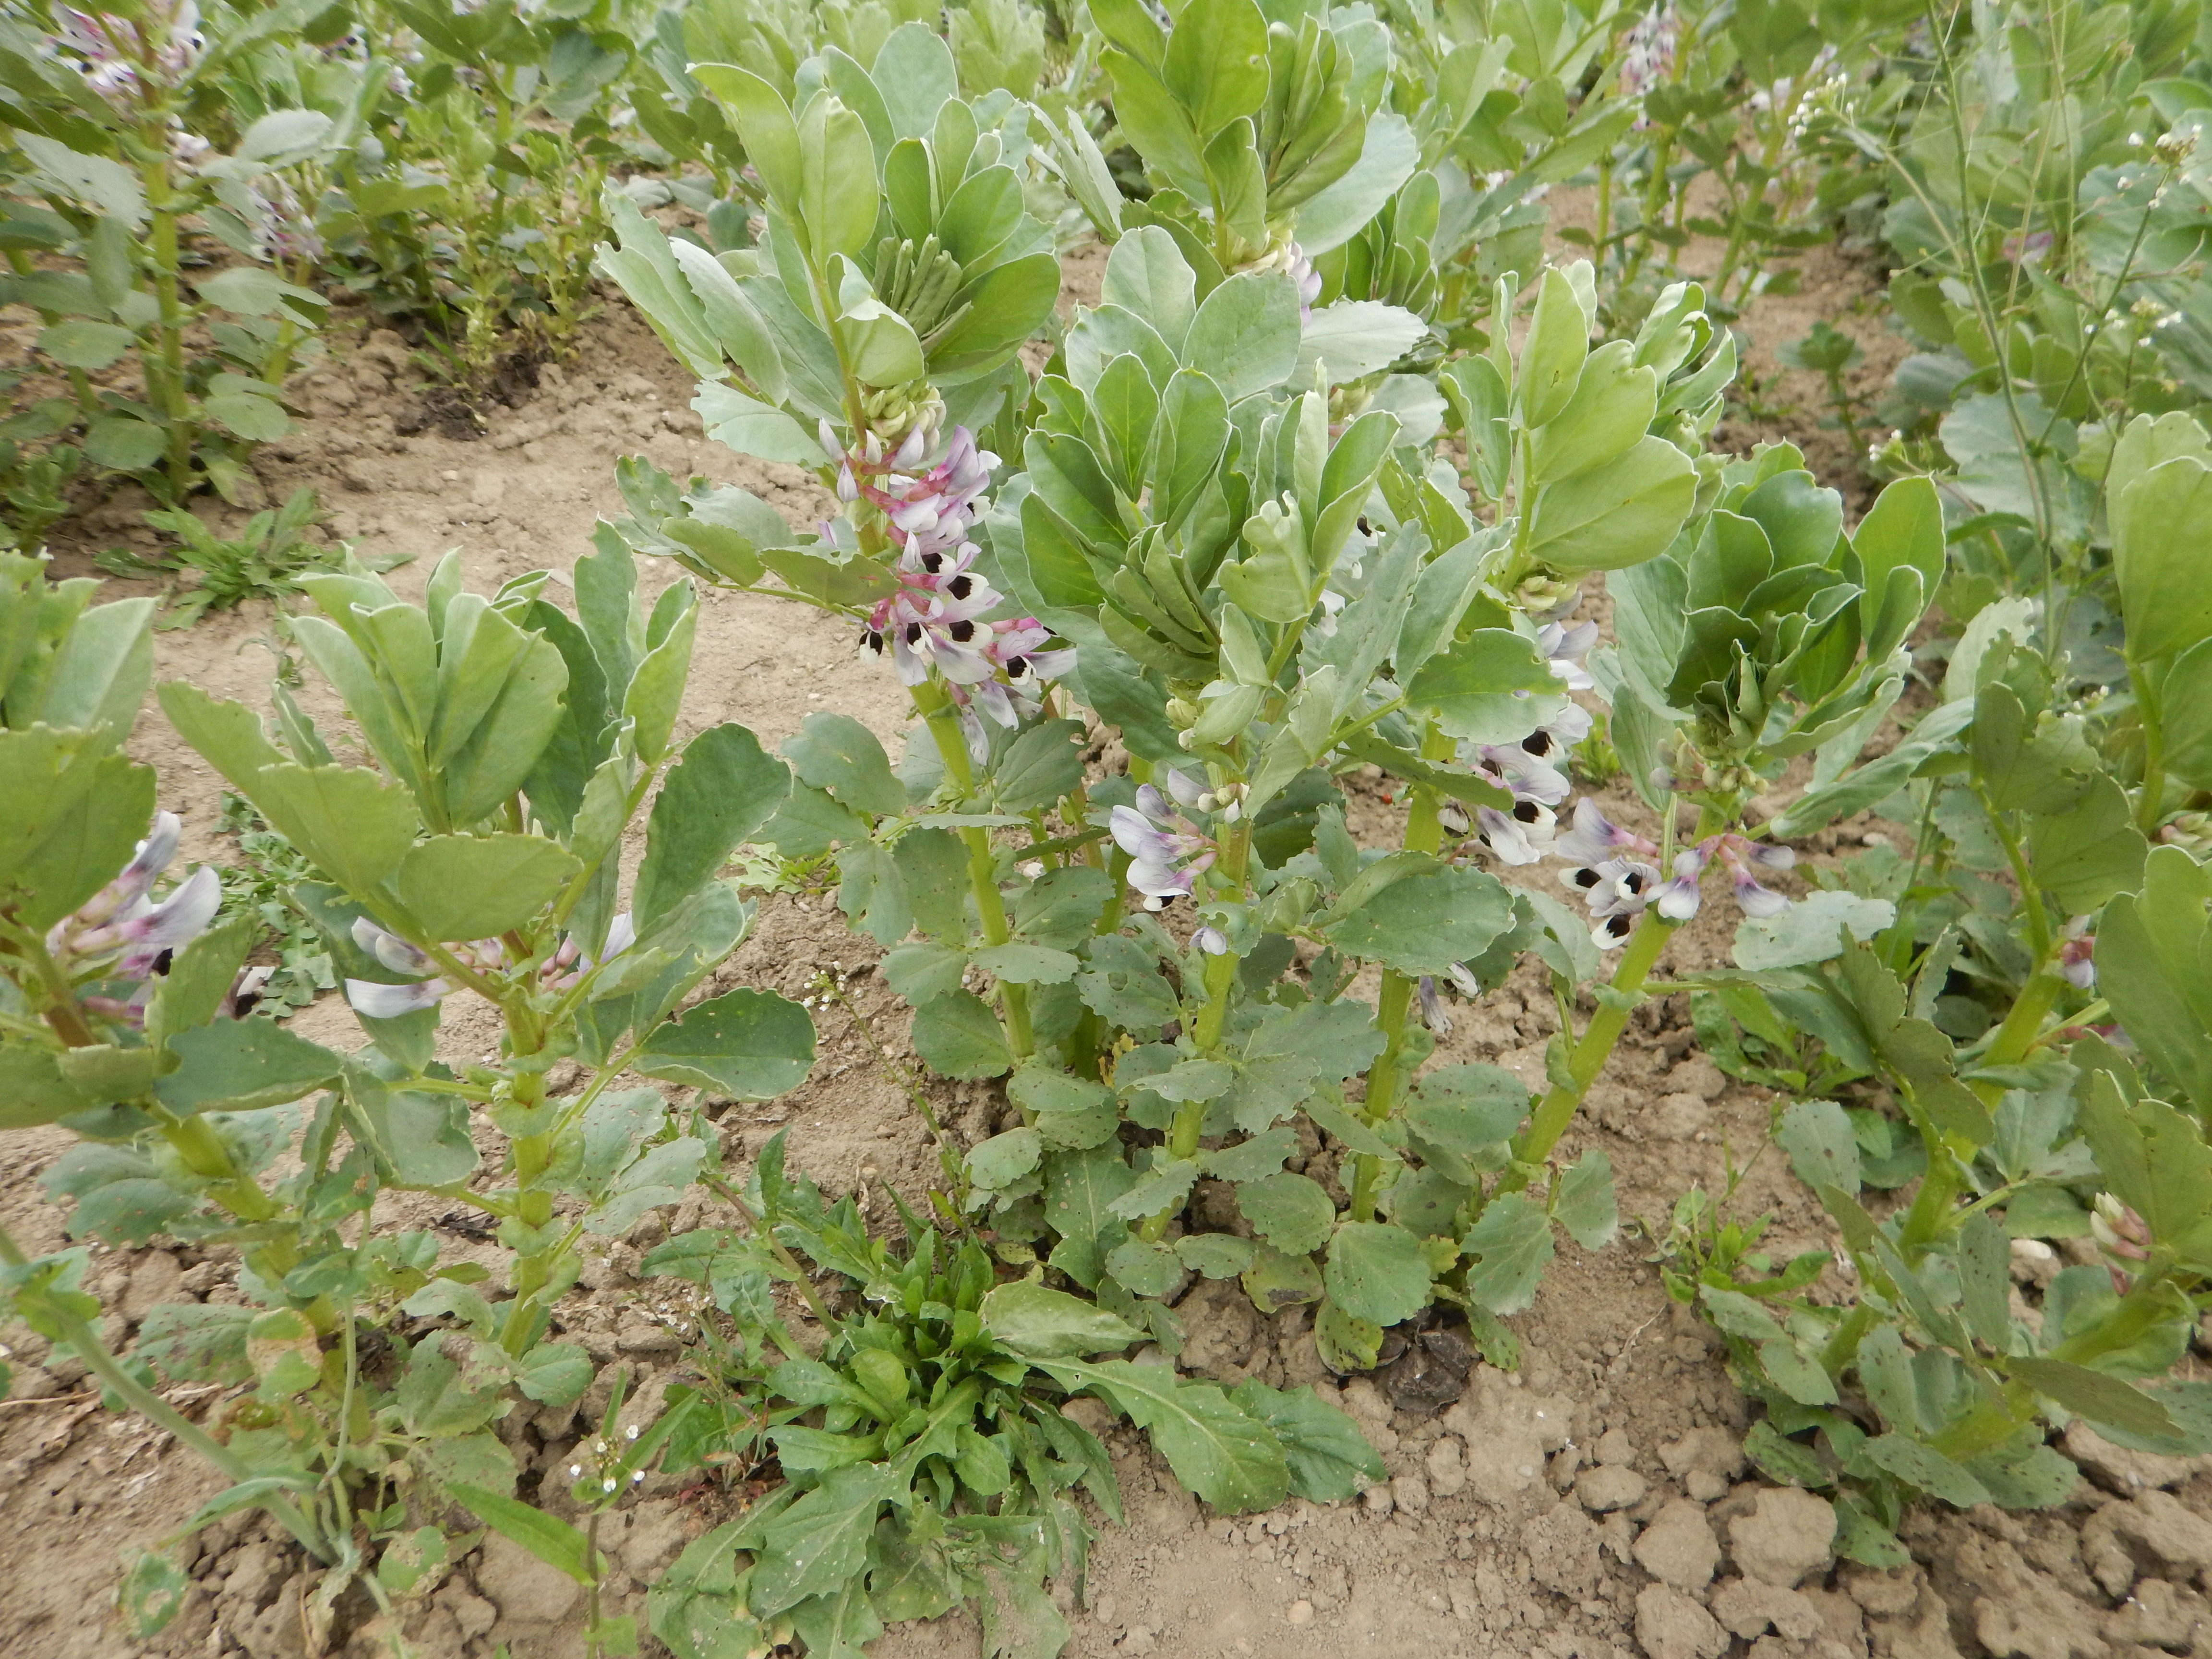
(83, 1341)
(165, 369)
(1591, 1052)
(1386, 1079)
(2025, 1022)
(944, 723)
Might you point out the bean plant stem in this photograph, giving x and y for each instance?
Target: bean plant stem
(1385, 1079)
(1591, 1052)
(943, 722)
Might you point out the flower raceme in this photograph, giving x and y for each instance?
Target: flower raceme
(1167, 851)
(378, 1000)
(1618, 880)
(112, 53)
(122, 934)
(938, 619)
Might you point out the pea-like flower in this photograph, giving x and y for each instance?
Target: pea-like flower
(378, 1000)
(2077, 961)
(1522, 833)
(1619, 881)
(1167, 851)
(1564, 649)
(111, 52)
(121, 930)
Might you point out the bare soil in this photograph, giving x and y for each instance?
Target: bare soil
(1595, 1504)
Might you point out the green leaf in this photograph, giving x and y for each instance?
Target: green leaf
(1551, 356)
(123, 444)
(79, 811)
(1467, 1110)
(745, 1044)
(1512, 1242)
(1427, 922)
(1123, 983)
(2094, 1394)
(1246, 334)
(1227, 1457)
(1822, 1145)
(1050, 1324)
(2160, 521)
(1215, 1255)
(1329, 1460)
(1583, 1201)
(549, 1538)
(351, 825)
(723, 789)
(1070, 1111)
(1291, 1211)
(822, 1540)
(88, 345)
(1041, 767)
(1025, 964)
(461, 887)
(1471, 685)
(996, 1163)
(959, 1036)
(1811, 930)
(554, 1373)
(1920, 1465)
(1080, 1189)
(242, 414)
(1376, 1272)
(242, 1066)
(2149, 948)
(1985, 1280)
(32, 1089)
(836, 752)
(2086, 855)
(1617, 516)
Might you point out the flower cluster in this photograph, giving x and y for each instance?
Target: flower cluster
(120, 935)
(380, 1001)
(112, 53)
(1167, 851)
(1647, 58)
(1619, 879)
(938, 618)
(282, 227)
(1522, 833)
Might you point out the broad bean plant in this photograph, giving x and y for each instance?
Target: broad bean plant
(478, 855)
(125, 128)
(1254, 587)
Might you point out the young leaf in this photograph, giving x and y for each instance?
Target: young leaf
(1376, 1272)
(1511, 1241)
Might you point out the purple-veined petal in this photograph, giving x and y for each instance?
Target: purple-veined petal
(1509, 839)
(394, 951)
(1211, 940)
(1138, 835)
(1432, 1007)
(1187, 790)
(394, 1001)
(1757, 901)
